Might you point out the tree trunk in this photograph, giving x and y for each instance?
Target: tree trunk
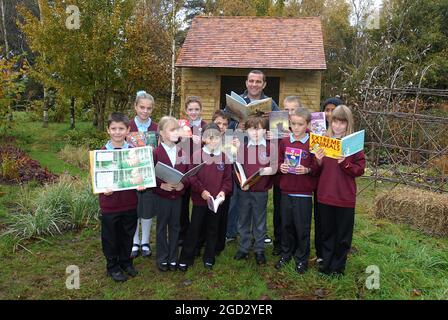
(45, 119)
(5, 33)
(72, 113)
(46, 103)
(173, 57)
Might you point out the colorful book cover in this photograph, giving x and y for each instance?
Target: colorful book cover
(142, 139)
(335, 148)
(122, 169)
(185, 128)
(318, 123)
(292, 158)
(353, 143)
(279, 124)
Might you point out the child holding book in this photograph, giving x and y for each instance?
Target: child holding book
(336, 195)
(290, 104)
(193, 110)
(297, 184)
(221, 119)
(202, 188)
(118, 211)
(328, 106)
(168, 197)
(253, 156)
(144, 106)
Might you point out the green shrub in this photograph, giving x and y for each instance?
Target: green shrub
(92, 138)
(9, 169)
(77, 156)
(67, 204)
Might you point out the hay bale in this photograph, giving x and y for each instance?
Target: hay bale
(423, 210)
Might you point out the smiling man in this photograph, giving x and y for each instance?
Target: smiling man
(255, 83)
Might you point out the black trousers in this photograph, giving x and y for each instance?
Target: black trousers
(201, 216)
(337, 233)
(168, 227)
(117, 233)
(317, 229)
(277, 219)
(296, 226)
(185, 214)
(222, 225)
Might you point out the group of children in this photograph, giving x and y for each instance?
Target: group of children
(330, 181)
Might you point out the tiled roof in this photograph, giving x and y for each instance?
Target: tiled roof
(254, 42)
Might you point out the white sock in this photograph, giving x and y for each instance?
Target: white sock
(146, 229)
(136, 236)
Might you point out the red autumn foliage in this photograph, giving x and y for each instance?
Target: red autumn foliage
(17, 167)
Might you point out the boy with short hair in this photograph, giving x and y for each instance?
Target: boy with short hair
(118, 211)
(253, 156)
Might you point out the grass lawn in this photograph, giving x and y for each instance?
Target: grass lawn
(412, 265)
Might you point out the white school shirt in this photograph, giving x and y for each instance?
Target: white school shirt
(171, 152)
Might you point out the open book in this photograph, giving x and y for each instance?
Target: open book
(335, 148)
(213, 204)
(240, 109)
(243, 179)
(170, 175)
(122, 169)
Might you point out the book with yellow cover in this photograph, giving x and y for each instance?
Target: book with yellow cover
(335, 148)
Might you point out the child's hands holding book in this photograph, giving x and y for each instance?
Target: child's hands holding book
(141, 188)
(108, 192)
(302, 170)
(341, 159)
(221, 194)
(320, 154)
(167, 186)
(284, 168)
(179, 186)
(205, 194)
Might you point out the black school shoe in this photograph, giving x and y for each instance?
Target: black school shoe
(301, 267)
(117, 276)
(240, 255)
(146, 250)
(183, 267)
(135, 253)
(208, 265)
(260, 258)
(173, 266)
(281, 263)
(130, 271)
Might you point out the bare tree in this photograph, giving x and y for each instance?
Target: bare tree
(5, 34)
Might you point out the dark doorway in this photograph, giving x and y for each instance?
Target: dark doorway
(238, 84)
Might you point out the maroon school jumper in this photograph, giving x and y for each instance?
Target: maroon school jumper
(215, 176)
(337, 186)
(134, 128)
(261, 161)
(118, 201)
(301, 183)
